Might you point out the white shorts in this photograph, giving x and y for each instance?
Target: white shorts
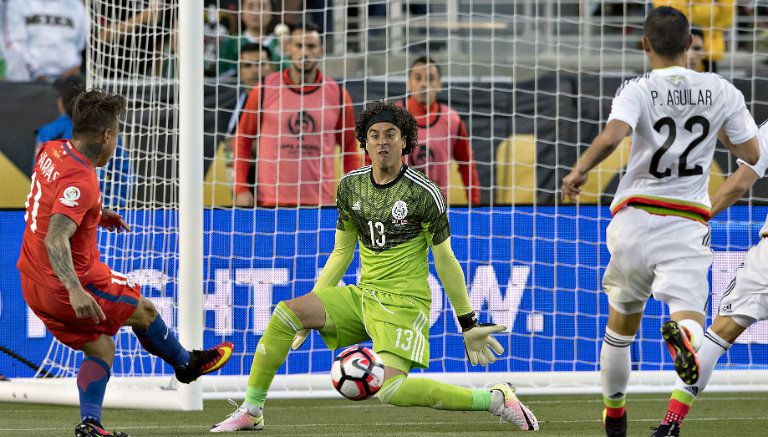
(666, 256)
(747, 295)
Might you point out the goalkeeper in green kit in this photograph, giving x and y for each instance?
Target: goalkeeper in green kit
(396, 214)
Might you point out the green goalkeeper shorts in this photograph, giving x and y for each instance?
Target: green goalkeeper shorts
(396, 324)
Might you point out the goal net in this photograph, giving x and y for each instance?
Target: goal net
(532, 84)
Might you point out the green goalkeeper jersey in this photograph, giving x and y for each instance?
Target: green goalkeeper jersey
(395, 224)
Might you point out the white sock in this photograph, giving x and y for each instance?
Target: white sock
(694, 331)
(253, 410)
(615, 364)
(497, 402)
(712, 348)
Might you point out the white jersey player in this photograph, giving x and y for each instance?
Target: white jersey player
(43, 39)
(659, 238)
(746, 299)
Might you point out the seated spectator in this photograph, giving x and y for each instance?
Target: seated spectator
(696, 53)
(227, 13)
(255, 64)
(43, 39)
(442, 134)
(116, 179)
(259, 19)
(136, 37)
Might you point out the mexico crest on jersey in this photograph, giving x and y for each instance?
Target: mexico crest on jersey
(399, 212)
(70, 196)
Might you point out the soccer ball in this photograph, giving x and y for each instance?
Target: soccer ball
(357, 373)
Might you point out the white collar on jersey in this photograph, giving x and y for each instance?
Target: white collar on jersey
(674, 70)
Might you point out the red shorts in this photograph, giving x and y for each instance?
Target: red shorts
(117, 297)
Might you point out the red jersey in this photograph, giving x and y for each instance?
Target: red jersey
(297, 129)
(442, 137)
(63, 182)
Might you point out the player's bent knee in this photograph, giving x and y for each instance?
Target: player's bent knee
(103, 348)
(143, 316)
(309, 309)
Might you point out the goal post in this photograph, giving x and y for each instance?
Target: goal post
(190, 292)
(531, 81)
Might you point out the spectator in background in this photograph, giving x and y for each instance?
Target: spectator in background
(227, 11)
(43, 39)
(298, 116)
(255, 64)
(259, 19)
(442, 134)
(116, 179)
(136, 37)
(713, 17)
(696, 53)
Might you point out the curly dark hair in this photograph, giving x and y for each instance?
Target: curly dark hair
(403, 119)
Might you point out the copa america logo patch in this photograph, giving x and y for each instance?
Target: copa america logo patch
(400, 210)
(70, 196)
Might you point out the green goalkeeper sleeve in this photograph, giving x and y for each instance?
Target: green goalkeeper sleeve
(452, 276)
(338, 263)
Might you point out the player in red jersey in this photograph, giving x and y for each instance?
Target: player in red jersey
(81, 301)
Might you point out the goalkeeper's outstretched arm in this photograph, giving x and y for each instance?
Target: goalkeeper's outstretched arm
(337, 264)
(478, 342)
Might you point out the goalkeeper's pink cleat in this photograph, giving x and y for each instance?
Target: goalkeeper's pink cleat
(240, 420)
(510, 409)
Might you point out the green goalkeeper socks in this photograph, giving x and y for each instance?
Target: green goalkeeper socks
(271, 353)
(424, 392)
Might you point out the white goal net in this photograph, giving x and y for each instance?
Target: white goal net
(531, 83)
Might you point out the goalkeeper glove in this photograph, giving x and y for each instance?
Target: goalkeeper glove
(478, 342)
(299, 338)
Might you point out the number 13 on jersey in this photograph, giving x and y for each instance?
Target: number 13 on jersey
(377, 233)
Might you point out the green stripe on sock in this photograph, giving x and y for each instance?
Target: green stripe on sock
(481, 399)
(255, 396)
(683, 396)
(614, 403)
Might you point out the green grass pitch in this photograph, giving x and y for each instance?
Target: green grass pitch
(715, 414)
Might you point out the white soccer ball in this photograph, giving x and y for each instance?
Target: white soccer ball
(357, 373)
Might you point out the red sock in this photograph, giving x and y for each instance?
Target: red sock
(614, 413)
(676, 412)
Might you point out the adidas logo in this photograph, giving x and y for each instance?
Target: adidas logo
(356, 206)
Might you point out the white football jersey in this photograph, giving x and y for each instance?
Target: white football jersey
(42, 37)
(675, 114)
(762, 165)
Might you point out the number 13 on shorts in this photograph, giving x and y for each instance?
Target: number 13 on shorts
(404, 339)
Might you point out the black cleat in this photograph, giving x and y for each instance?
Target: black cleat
(206, 361)
(615, 427)
(92, 428)
(686, 362)
(666, 430)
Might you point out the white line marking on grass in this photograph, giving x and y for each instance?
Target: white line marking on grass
(386, 424)
(631, 400)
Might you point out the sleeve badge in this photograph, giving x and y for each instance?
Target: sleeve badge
(70, 196)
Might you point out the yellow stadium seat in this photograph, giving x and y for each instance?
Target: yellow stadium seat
(516, 170)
